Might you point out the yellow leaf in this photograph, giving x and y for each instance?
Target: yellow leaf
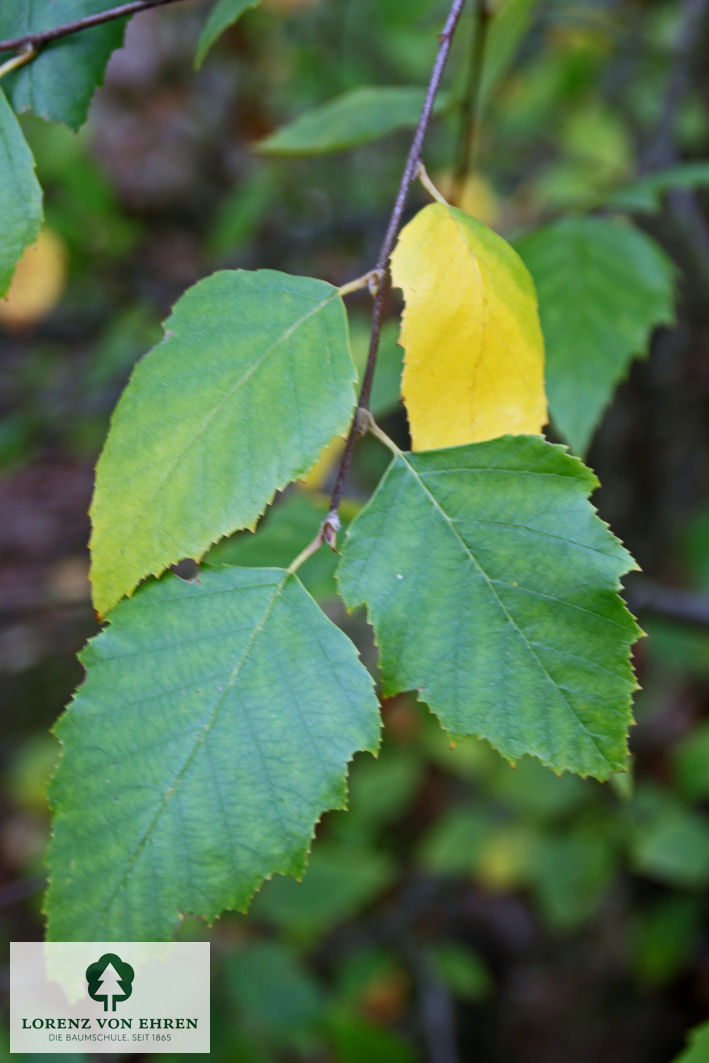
(37, 285)
(474, 365)
(474, 194)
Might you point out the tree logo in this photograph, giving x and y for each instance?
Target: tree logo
(110, 979)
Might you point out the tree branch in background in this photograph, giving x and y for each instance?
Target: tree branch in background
(471, 99)
(662, 152)
(42, 37)
(359, 421)
(685, 607)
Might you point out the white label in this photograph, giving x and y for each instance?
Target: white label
(110, 996)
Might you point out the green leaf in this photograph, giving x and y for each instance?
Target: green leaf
(272, 990)
(492, 585)
(570, 873)
(647, 194)
(58, 84)
(455, 842)
(663, 937)
(670, 842)
(603, 286)
(223, 15)
(213, 729)
(253, 379)
(697, 1050)
(356, 117)
(690, 760)
(339, 882)
(20, 195)
(461, 970)
(509, 24)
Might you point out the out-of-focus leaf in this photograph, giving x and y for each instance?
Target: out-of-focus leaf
(382, 796)
(223, 15)
(37, 284)
(646, 195)
(669, 841)
(462, 970)
(570, 874)
(340, 880)
(697, 1050)
(691, 764)
(272, 990)
(356, 117)
(663, 937)
(535, 795)
(509, 23)
(242, 211)
(59, 82)
(20, 195)
(680, 650)
(506, 857)
(356, 1039)
(603, 287)
(453, 844)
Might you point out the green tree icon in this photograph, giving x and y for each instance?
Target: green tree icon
(110, 979)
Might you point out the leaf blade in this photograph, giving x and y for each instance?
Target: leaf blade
(591, 341)
(20, 195)
(347, 121)
(489, 558)
(220, 763)
(59, 82)
(252, 380)
(474, 366)
(223, 15)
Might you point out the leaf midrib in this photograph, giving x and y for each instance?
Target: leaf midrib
(508, 616)
(201, 739)
(128, 529)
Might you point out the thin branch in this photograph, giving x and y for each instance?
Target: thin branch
(42, 37)
(668, 603)
(437, 1010)
(359, 421)
(471, 99)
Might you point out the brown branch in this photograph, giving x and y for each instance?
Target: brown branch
(359, 421)
(471, 99)
(42, 37)
(684, 607)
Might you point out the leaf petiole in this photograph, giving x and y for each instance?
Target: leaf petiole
(26, 53)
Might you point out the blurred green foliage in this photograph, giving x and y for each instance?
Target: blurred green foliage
(548, 918)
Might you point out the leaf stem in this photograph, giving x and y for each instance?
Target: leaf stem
(374, 429)
(309, 550)
(359, 421)
(27, 52)
(422, 174)
(42, 37)
(371, 280)
(470, 108)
